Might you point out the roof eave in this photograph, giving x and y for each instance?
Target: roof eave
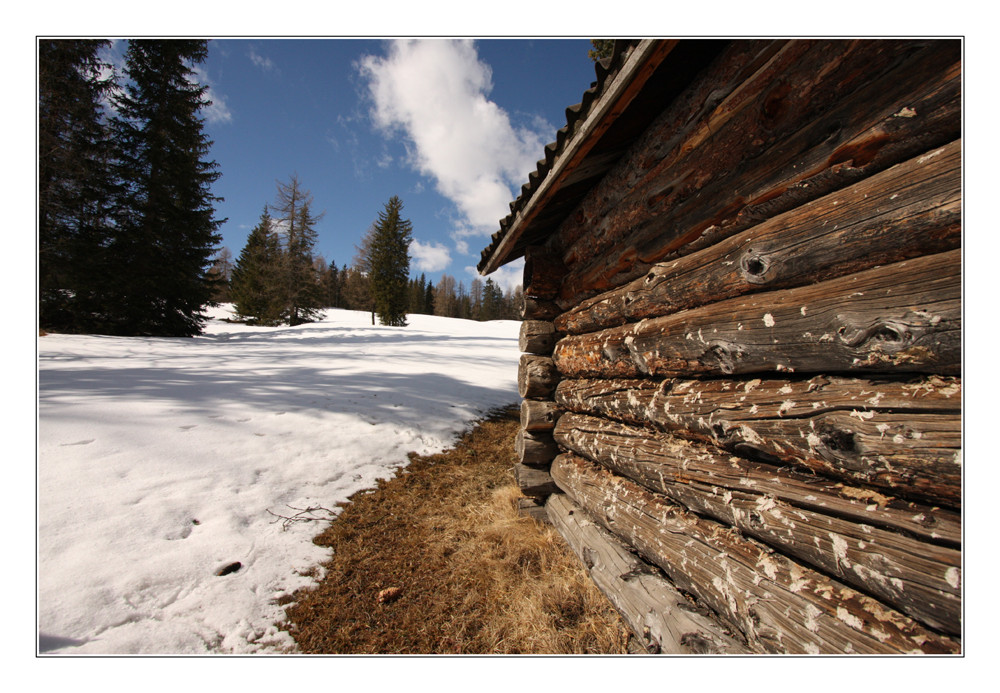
(613, 100)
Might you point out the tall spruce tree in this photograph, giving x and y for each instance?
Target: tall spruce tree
(389, 264)
(166, 231)
(297, 223)
(75, 186)
(255, 285)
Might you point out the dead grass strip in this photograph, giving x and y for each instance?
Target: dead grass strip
(438, 561)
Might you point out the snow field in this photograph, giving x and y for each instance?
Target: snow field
(159, 459)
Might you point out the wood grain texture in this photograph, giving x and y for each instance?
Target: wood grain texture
(534, 483)
(535, 449)
(776, 603)
(537, 377)
(537, 337)
(902, 438)
(899, 318)
(920, 578)
(663, 618)
(814, 118)
(912, 209)
(538, 415)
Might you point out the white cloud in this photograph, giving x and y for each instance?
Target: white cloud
(217, 111)
(429, 257)
(434, 92)
(264, 63)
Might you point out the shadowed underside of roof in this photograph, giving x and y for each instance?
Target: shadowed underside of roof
(633, 86)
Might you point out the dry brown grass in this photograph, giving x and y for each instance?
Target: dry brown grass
(472, 575)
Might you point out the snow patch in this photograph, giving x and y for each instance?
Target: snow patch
(190, 442)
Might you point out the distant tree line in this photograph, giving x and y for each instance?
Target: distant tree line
(278, 280)
(127, 233)
(126, 218)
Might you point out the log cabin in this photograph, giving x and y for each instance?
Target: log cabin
(742, 326)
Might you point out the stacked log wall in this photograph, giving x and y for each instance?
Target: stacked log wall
(537, 379)
(751, 367)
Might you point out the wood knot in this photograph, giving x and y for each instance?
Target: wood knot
(724, 355)
(838, 440)
(754, 267)
(885, 335)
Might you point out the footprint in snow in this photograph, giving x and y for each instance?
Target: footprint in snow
(183, 532)
(188, 427)
(79, 442)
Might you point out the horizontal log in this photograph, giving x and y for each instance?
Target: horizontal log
(535, 449)
(900, 318)
(537, 377)
(776, 603)
(531, 507)
(543, 271)
(900, 437)
(537, 337)
(534, 483)
(766, 148)
(912, 209)
(539, 415)
(919, 578)
(660, 616)
(537, 309)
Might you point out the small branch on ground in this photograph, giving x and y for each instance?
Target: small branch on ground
(303, 515)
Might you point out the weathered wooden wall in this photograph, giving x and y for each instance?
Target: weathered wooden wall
(744, 358)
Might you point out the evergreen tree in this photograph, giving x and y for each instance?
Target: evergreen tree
(602, 48)
(389, 264)
(418, 290)
(355, 289)
(165, 227)
(294, 218)
(303, 299)
(328, 278)
(255, 288)
(75, 186)
(429, 299)
(491, 305)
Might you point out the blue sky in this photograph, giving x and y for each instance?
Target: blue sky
(451, 127)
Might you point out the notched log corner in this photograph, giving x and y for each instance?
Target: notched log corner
(537, 377)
